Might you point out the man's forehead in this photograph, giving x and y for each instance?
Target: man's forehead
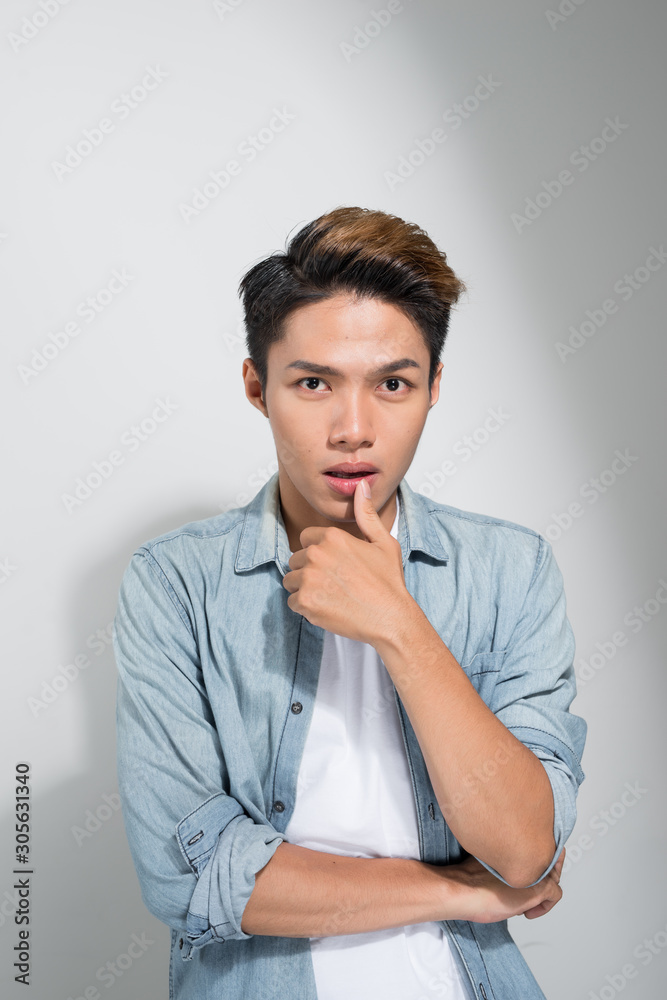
(345, 307)
(326, 339)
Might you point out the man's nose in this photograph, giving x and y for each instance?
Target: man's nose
(352, 419)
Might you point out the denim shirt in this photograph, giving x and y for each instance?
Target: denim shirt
(217, 679)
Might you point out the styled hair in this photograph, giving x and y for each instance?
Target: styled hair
(357, 250)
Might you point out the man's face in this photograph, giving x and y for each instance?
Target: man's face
(352, 412)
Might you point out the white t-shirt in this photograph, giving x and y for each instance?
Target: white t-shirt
(355, 797)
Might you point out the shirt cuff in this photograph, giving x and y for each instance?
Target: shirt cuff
(225, 848)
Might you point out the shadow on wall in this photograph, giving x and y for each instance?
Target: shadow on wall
(89, 928)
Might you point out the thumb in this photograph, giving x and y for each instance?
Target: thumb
(365, 513)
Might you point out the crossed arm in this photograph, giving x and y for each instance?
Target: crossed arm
(169, 757)
(509, 825)
(508, 821)
(304, 893)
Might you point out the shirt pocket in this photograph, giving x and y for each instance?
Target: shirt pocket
(483, 671)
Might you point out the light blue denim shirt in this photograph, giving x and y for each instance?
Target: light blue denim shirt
(217, 679)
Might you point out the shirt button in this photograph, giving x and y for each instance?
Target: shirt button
(279, 806)
(296, 707)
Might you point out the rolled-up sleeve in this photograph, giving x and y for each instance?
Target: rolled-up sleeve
(195, 848)
(535, 688)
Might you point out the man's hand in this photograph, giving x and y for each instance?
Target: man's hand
(351, 586)
(481, 897)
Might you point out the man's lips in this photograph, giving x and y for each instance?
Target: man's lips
(346, 483)
(351, 469)
(349, 475)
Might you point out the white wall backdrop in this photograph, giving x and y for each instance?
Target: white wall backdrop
(529, 140)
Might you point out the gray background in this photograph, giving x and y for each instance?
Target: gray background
(174, 334)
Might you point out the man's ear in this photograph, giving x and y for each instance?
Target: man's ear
(435, 388)
(253, 387)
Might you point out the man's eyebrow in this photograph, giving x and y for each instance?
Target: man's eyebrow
(386, 369)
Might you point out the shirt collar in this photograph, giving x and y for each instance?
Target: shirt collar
(264, 536)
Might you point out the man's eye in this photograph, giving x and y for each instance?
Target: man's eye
(398, 381)
(395, 380)
(310, 378)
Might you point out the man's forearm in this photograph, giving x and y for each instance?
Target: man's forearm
(306, 893)
(493, 791)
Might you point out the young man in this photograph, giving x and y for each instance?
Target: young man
(345, 751)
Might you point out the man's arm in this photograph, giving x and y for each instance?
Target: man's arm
(206, 865)
(305, 893)
(509, 821)
(183, 829)
(356, 589)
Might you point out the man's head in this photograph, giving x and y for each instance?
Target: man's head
(355, 292)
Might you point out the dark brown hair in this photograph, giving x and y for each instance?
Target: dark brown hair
(358, 250)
